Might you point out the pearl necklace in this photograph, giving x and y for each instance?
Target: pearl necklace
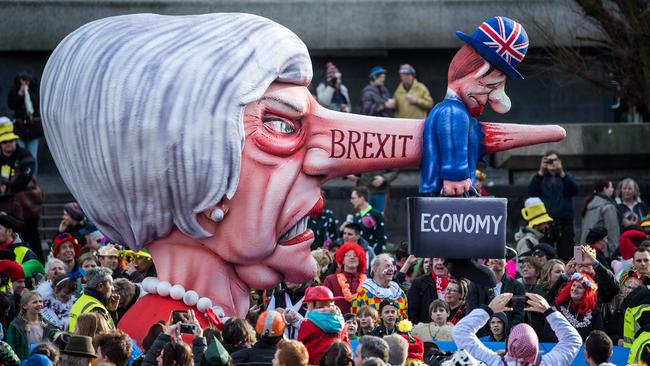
(177, 292)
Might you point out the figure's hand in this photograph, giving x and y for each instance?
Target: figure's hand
(352, 177)
(536, 303)
(456, 188)
(411, 99)
(344, 108)
(500, 303)
(390, 103)
(377, 181)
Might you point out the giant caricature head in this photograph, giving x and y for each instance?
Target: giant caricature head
(201, 141)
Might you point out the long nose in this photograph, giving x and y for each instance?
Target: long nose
(345, 143)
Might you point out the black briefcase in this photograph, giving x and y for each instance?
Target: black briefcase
(454, 227)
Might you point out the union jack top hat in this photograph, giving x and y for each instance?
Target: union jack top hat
(502, 42)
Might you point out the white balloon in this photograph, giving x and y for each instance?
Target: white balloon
(203, 304)
(177, 292)
(190, 298)
(163, 288)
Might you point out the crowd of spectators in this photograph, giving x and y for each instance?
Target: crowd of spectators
(64, 306)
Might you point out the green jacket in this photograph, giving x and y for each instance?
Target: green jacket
(423, 101)
(17, 336)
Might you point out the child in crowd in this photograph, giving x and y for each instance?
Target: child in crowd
(368, 318)
(353, 325)
(323, 324)
(388, 312)
(498, 328)
(439, 329)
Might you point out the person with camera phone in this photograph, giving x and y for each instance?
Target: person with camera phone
(170, 346)
(522, 344)
(556, 188)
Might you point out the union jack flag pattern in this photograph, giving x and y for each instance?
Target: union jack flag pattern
(507, 37)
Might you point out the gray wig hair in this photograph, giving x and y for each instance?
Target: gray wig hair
(143, 113)
(97, 275)
(376, 262)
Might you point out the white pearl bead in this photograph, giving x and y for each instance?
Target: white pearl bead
(203, 304)
(149, 284)
(163, 288)
(177, 292)
(190, 298)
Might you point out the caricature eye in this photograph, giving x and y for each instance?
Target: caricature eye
(278, 124)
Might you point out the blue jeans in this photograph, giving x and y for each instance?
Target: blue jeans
(32, 147)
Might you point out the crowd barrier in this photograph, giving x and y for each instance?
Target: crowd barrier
(619, 356)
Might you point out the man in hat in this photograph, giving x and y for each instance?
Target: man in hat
(453, 139)
(17, 165)
(141, 267)
(412, 98)
(67, 249)
(323, 325)
(78, 351)
(109, 257)
(534, 212)
(97, 297)
(10, 240)
(375, 97)
(331, 93)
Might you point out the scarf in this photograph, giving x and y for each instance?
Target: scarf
(441, 283)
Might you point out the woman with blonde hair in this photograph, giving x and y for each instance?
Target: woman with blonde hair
(28, 327)
(551, 271)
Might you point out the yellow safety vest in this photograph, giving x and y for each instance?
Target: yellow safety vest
(20, 252)
(637, 348)
(86, 304)
(631, 324)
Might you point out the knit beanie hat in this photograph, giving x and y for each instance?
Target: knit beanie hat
(74, 210)
(11, 269)
(37, 360)
(523, 343)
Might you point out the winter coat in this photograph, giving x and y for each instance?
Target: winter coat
(601, 212)
(527, 238)
(261, 354)
(319, 330)
(325, 95)
(421, 294)
(17, 336)
(562, 354)
(373, 99)
(56, 312)
(7, 355)
(423, 102)
(556, 193)
(639, 208)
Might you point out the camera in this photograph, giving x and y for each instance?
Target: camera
(183, 317)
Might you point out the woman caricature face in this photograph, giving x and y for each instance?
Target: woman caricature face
(292, 147)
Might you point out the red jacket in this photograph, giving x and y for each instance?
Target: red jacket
(626, 242)
(317, 341)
